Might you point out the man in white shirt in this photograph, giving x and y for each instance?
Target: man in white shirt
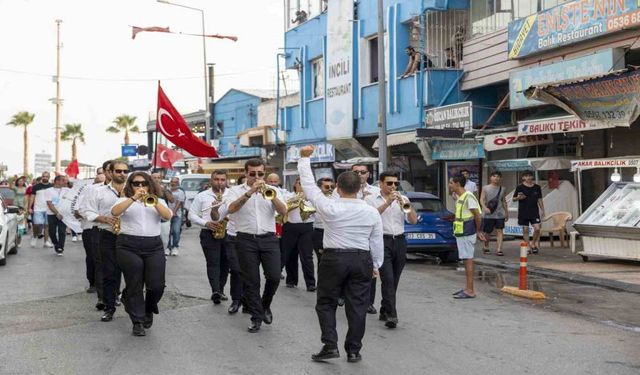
(39, 211)
(352, 254)
(393, 215)
(255, 221)
(469, 185)
(57, 228)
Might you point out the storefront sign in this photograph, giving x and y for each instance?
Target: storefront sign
(604, 163)
(339, 94)
(129, 150)
(564, 124)
(570, 23)
(454, 116)
(510, 165)
(585, 66)
(503, 141)
(612, 100)
(456, 150)
(323, 153)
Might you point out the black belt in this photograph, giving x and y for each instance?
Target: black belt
(393, 237)
(249, 235)
(319, 229)
(346, 250)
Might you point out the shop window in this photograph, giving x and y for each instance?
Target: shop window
(372, 59)
(317, 79)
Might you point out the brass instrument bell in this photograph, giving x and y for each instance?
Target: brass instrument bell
(150, 200)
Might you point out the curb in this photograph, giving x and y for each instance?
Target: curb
(568, 276)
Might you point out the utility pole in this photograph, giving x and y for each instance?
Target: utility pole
(212, 121)
(382, 100)
(58, 100)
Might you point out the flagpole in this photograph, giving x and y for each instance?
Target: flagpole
(155, 145)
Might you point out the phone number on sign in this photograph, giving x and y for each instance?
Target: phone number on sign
(605, 115)
(623, 21)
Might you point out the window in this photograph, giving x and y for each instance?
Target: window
(317, 79)
(372, 47)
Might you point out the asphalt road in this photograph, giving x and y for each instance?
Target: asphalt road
(48, 326)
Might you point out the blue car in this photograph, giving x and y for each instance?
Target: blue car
(433, 234)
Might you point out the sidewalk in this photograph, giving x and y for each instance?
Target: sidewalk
(561, 263)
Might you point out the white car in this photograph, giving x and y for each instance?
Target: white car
(8, 231)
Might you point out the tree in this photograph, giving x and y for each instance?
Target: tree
(73, 132)
(23, 119)
(126, 124)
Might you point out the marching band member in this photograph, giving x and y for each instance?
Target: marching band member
(393, 213)
(297, 238)
(273, 180)
(139, 248)
(327, 186)
(253, 206)
(98, 210)
(353, 253)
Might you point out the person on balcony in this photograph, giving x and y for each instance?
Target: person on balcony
(414, 62)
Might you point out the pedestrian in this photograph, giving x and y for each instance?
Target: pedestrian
(39, 211)
(165, 196)
(469, 184)
(297, 238)
(253, 207)
(466, 228)
(495, 211)
(57, 228)
(273, 180)
(28, 201)
(530, 209)
(19, 186)
(179, 197)
(352, 254)
(139, 249)
(394, 210)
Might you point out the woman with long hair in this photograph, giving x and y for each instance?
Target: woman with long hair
(139, 250)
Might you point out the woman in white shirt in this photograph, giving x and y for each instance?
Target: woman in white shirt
(139, 250)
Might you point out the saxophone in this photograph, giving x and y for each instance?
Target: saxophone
(116, 226)
(219, 233)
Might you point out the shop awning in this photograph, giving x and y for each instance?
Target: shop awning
(397, 139)
(533, 164)
(611, 99)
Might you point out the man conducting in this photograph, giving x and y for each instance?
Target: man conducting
(353, 253)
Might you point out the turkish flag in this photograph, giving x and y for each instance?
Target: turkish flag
(171, 124)
(165, 157)
(72, 169)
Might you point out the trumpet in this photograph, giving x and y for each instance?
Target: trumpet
(267, 192)
(150, 200)
(404, 205)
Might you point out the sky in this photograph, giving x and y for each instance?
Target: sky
(104, 73)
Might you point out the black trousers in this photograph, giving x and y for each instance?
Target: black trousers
(234, 268)
(57, 231)
(111, 275)
(97, 262)
(87, 243)
(216, 258)
(351, 273)
(395, 257)
(297, 242)
(143, 263)
(252, 252)
(318, 236)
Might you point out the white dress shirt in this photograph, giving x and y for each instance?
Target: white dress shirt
(392, 218)
(349, 223)
(293, 216)
(203, 200)
(140, 220)
(54, 195)
(256, 216)
(99, 203)
(370, 189)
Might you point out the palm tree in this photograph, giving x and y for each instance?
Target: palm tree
(73, 132)
(124, 123)
(23, 119)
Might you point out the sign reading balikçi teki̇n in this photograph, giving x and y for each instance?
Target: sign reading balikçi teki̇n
(454, 116)
(562, 124)
(570, 23)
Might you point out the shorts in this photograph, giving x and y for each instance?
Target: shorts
(526, 222)
(488, 225)
(466, 246)
(40, 217)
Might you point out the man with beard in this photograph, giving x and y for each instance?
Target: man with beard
(39, 211)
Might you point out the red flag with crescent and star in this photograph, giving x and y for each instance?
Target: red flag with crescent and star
(171, 124)
(72, 169)
(165, 157)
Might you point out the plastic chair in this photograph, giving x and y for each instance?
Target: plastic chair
(559, 220)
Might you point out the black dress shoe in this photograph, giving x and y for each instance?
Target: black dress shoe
(291, 286)
(215, 297)
(108, 315)
(100, 306)
(383, 316)
(326, 353)
(138, 330)
(254, 326)
(148, 320)
(311, 288)
(340, 301)
(354, 357)
(391, 323)
(235, 306)
(268, 316)
(223, 297)
(371, 310)
(91, 289)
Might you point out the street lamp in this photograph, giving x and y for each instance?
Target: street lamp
(207, 127)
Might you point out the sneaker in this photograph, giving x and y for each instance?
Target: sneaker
(118, 300)
(33, 241)
(174, 251)
(74, 239)
(48, 244)
(167, 252)
(59, 252)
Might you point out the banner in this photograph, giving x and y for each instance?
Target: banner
(454, 116)
(563, 124)
(503, 141)
(604, 163)
(323, 153)
(67, 205)
(339, 63)
(570, 23)
(456, 150)
(611, 100)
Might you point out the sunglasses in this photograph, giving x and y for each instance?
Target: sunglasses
(392, 183)
(361, 172)
(254, 173)
(120, 171)
(139, 183)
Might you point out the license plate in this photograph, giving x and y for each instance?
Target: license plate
(421, 236)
